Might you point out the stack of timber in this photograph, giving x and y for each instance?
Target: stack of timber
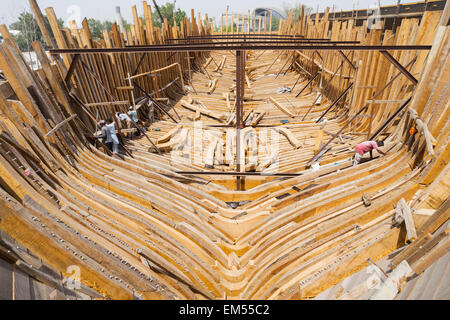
(138, 227)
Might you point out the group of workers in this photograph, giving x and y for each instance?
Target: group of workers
(109, 136)
(108, 129)
(127, 117)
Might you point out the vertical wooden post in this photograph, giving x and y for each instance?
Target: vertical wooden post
(132, 91)
(232, 22)
(226, 20)
(41, 23)
(259, 24)
(370, 120)
(270, 22)
(265, 21)
(248, 21)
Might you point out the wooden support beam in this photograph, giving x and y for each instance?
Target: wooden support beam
(437, 252)
(109, 103)
(124, 88)
(318, 142)
(319, 95)
(258, 118)
(279, 106)
(214, 115)
(427, 246)
(59, 125)
(364, 108)
(251, 68)
(207, 62)
(366, 87)
(289, 136)
(152, 71)
(423, 128)
(438, 218)
(42, 25)
(212, 85)
(303, 69)
(248, 81)
(6, 90)
(386, 101)
(408, 219)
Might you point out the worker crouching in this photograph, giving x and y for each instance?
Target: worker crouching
(367, 146)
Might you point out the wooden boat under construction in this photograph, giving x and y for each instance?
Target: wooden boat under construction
(243, 185)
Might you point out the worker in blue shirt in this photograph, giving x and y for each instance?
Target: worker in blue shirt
(133, 114)
(134, 117)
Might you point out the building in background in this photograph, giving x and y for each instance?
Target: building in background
(258, 18)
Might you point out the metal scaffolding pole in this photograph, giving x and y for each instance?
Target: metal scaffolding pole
(240, 69)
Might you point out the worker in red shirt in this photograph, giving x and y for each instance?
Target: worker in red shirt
(367, 146)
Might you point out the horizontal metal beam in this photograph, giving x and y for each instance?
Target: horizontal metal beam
(277, 37)
(407, 9)
(220, 173)
(269, 35)
(247, 38)
(249, 42)
(212, 47)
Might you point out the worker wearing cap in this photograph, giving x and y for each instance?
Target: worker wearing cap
(104, 132)
(108, 135)
(367, 146)
(112, 135)
(133, 114)
(123, 117)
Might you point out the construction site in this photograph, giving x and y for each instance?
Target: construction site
(188, 162)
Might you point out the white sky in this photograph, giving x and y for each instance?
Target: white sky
(105, 9)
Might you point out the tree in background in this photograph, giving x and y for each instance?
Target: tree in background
(275, 23)
(29, 31)
(126, 25)
(96, 27)
(211, 21)
(296, 9)
(167, 10)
